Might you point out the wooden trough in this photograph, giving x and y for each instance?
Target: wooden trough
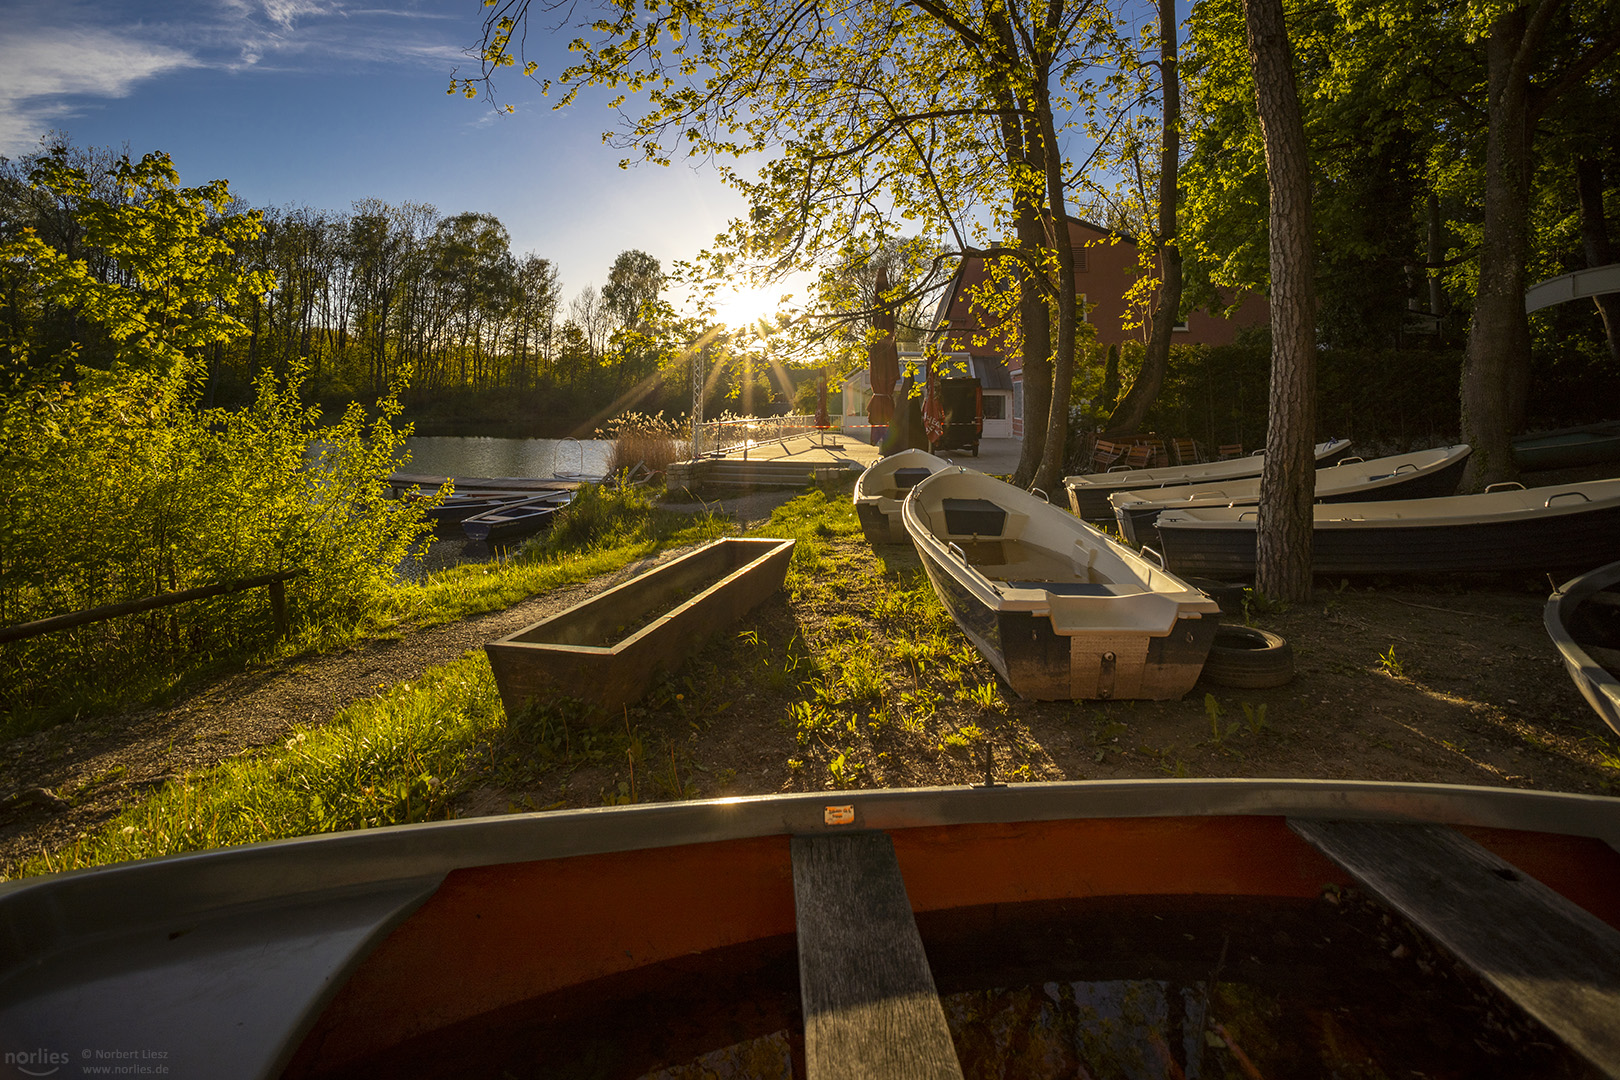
(607, 650)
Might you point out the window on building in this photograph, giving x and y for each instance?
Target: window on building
(1080, 265)
(995, 407)
(1082, 308)
(1181, 327)
(1018, 399)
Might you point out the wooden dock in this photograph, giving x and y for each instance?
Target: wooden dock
(402, 482)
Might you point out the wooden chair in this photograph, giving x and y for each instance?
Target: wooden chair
(1186, 451)
(1231, 450)
(1140, 456)
(1105, 454)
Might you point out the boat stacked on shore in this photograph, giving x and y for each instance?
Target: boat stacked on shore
(1056, 607)
(884, 485)
(1088, 494)
(1427, 473)
(1564, 526)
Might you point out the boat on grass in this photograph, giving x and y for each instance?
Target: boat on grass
(1560, 527)
(607, 649)
(1583, 619)
(1088, 494)
(1227, 927)
(1060, 610)
(884, 485)
(1569, 448)
(1420, 475)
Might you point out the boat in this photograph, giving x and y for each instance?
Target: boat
(1057, 608)
(1088, 494)
(1569, 448)
(881, 489)
(607, 649)
(522, 517)
(1560, 527)
(1583, 619)
(1425, 474)
(1251, 922)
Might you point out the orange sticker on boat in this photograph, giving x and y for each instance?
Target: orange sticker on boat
(840, 815)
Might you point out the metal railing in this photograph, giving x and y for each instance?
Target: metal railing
(744, 433)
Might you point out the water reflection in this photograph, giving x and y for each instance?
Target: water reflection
(448, 455)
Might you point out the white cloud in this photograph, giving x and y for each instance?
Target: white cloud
(41, 67)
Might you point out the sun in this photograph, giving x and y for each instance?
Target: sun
(744, 307)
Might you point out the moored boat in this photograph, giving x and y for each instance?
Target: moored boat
(693, 936)
(1560, 527)
(1420, 475)
(522, 517)
(1055, 606)
(1088, 494)
(1583, 619)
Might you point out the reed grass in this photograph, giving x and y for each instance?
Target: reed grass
(642, 440)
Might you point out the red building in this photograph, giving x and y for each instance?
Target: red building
(1105, 266)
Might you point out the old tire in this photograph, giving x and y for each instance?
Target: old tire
(1248, 659)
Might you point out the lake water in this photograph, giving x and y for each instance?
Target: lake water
(445, 455)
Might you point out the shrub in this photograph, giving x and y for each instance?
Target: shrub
(125, 490)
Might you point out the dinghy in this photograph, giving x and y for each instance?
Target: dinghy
(1583, 620)
(1425, 474)
(1088, 494)
(735, 937)
(881, 489)
(1562, 527)
(1059, 609)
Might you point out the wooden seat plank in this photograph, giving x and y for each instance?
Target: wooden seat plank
(871, 1011)
(1556, 960)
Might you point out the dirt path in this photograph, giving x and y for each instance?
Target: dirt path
(93, 767)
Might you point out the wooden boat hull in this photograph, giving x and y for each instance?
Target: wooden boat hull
(1059, 610)
(1088, 494)
(881, 489)
(1569, 448)
(1568, 535)
(442, 949)
(672, 610)
(1583, 619)
(1398, 477)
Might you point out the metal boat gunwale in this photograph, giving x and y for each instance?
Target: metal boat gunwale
(1597, 684)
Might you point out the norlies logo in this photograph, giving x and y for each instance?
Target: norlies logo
(36, 1062)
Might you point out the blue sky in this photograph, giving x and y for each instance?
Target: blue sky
(322, 102)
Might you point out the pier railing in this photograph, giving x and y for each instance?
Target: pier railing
(728, 436)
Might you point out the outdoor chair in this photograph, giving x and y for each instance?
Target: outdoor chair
(1186, 451)
(1231, 450)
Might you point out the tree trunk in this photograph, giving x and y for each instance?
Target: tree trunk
(1131, 413)
(1026, 156)
(1595, 238)
(1496, 365)
(1050, 476)
(1437, 255)
(1288, 481)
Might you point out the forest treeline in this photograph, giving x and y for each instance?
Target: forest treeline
(371, 298)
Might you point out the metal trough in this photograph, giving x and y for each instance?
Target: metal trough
(607, 650)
